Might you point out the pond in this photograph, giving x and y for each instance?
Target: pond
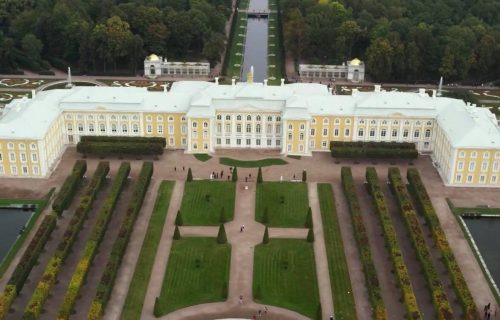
(485, 232)
(11, 222)
(255, 53)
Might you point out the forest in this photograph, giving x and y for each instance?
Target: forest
(108, 36)
(399, 40)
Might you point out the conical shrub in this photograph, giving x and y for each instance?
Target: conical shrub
(221, 236)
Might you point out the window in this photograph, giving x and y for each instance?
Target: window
(238, 128)
(159, 128)
(269, 129)
(301, 148)
(219, 128)
(269, 118)
(311, 143)
(195, 146)
(183, 129)
(22, 146)
(289, 136)
(495, 166)
(194, 134)
(258, 118)
(228, 118)
(101, 117)
(384, 123)
(149, 128)
(124, 117)
(482, 179)
(313, 132)
(228, 141)
(195, 124)
(183, 118)
(257, 128)
(24, 170)
(238, 142)
(269, 142)
(429, 123)
(205, 124)
(80, 127)
(417, 123)
(257, 142)
(289, 148)
(34, 157)
(494, 178)
(102, 127)
(395, 122)
(361, 121)
(2, 171)
(301, 137)
(35, 171)
(428, 133)
(472, 166)
(336, 132)
(460, 165)
(347, 132)
(91, 127)
(325, 132)
(171, 129)
(10, 146)
(184, 141)
(416, 134)
(70, 127)
(228, 128)
(407, 123)
(426, 145)
(159, 118)
(302, 126)
(469, 178)
(337, 121)
(124, 128)
(497, 155)
(205, 134)
(278, 119)
(278, 142)
(313, 121)
(68, 116)
(405, 133)
(33, 146)
(394, 133)
(113, 117)
(136, 128)
(486, 155)
(249, 128)
(205, 146)
(13, 170)
(149, 118)
(461, 154)
(324, 144)
(383, 133)
(135, 118)
(473, 155)
(360, 132)
(325, 121)
(249, 118)
(373, 122)
(278, 128)
(219, 117)
(170, 118)
(171, 141)
(484, 166)
(458, 178)
(90, 117)
(23, 156)
(1, 157)
(372, 132)
(238, 117)
(113, 127)
(290, 126)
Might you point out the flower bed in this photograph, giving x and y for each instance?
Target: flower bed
(35, 304)
(69, 187)
(361, 236)
(107, 281)
(92, 245)
(391, 241)
(439, 298)
(425, 207)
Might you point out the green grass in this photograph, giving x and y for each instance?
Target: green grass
(337, 266)
(197, 272)
(235, 62)
(292, 212)
(140, 280)
(490, 211)
(252, 163)
(285, 276)
(202, 156)
(294, 157)
(41, 204)
(274, 59)
(196, 209)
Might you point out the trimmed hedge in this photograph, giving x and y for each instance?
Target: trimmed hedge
(35, 305)
(107, 281)
(425, 207)
(391, 241)
(69, 187)
(103, 148)
(439, 298)
(159, 140)
(92, 245)
(365, 255)
(379, 150)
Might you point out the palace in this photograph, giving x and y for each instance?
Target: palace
(297, 119)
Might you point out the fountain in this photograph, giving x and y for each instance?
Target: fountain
(70, 84)
(440, 87)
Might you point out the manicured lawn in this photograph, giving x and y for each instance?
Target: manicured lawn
(137, 290)
(252, 163)
(202, 156)
(294, 157)
(237, 45)
(289, 213)
(274, 68)
(285, 275)
(203, 201)
(197, 272)
(337, 266)
(41, 204)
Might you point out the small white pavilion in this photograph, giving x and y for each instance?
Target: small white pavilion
(353, 71)
(157, 66)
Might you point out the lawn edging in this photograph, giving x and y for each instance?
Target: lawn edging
(252, 163)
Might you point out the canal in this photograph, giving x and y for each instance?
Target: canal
(256, 43)
(11, 222)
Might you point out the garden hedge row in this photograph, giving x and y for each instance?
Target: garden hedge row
(69, 187)
(159, 140)
(372, 283)
(107, 281)
(121, 148)
(424, 205)
(35, 304)
(439, 298)
(391, 241)
(92, 245)
(376, 153)
(372, 144)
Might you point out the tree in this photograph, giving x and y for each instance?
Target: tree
(234, 176)
(265, 239)
(222, 216)
(349, 32)
(265, 216)
(177, 233)
(379, 59)
(259, 176)
(310, 235)
(304, 175)
(294, 30)
(213, 48)
(309, 221)
(189, 176)
(32, 48)
(178, 218)
(221, 235)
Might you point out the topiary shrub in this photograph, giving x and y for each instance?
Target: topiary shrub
(178, 219)
(259, 176)
(265, 239)
(234, 176)
(177, 233)
(310, 235)
(304, 176)
(309, 221)
(189, 176)
(221, 236)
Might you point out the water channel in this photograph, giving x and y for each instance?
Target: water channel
(484, 231)
(11, 222)
(256, 43)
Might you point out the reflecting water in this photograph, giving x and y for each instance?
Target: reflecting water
(11, 222)
(485, 233)
(256, 43)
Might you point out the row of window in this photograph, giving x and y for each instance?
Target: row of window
(475, 154)
(22, 156)
(394, 133)
(248, 128)
(24, 170)
(103, 117)
(484, 166)
(394, 122)
(160, 118)
(248, 142)
(124, 128)
(470, 178)
(239, 117)
(20, 146)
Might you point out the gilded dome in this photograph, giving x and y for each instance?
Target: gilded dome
(355, 62)
(153, 57)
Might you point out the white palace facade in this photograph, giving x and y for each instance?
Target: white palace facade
(296, 119)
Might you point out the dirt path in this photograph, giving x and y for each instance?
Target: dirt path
(363, 307)
(391, 294)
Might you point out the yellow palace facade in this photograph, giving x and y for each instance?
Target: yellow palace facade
(296, 119)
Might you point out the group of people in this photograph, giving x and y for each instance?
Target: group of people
(488, 310)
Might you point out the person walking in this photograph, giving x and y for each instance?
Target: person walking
(241, 299)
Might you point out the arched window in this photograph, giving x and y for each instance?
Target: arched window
(269, 118)
(195, 124)
(325, 121)
(258, 118)
(219, 117)
(205, 124)
(249, 118)
(124, 128)
(238, 117)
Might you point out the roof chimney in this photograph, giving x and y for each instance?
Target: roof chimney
(33, 94)
(216, 80)
(377, 88)
(233, 82)
(282, 82)
(421, 91)
(265, 82)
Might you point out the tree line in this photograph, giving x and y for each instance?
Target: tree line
(108, 35)
(405, 40)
